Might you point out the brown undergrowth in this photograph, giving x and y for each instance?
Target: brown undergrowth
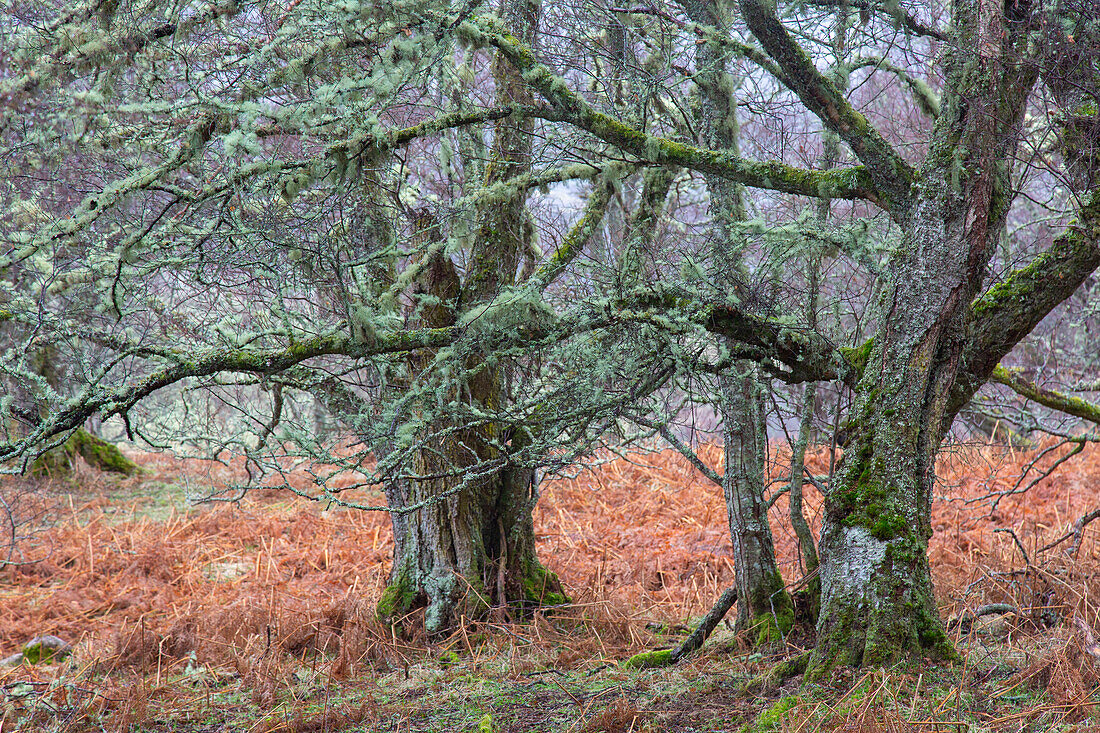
(274, 594)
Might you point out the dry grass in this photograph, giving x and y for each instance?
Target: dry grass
(254, 592)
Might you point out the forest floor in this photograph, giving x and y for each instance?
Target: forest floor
(259, 616)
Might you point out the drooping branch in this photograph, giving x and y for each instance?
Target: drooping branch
(118, 401)
(1075, 406)
(682, 448)
(925, 96)
(892, 175)
(803, 355)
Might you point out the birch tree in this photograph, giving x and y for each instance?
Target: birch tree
(202, 176)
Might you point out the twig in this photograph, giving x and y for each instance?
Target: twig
(1018, 545)
(1077, 533)
(1078, 447)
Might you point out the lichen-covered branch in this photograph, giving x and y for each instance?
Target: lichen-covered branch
(892, 175)
(567, 106)
(890, 8)
(804, 355)
(578, 235)
(124, 44)
(1003, 315)
(1070, 405)
(925, 96)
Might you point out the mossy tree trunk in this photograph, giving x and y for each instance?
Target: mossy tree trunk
(470, 544)
(465, 552)
(877, 602)
(764, 605)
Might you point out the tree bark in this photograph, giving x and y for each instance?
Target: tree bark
(877, 602)
(764, 606)
(470, 546)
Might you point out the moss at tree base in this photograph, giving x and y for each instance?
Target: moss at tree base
(849, 645)
(398, 598)
(98, 453)
(542, 587)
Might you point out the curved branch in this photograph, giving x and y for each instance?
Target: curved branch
(847, 183)
(1007, 312)
(803, 355)
(892, 174)
(892, 9)
(925, 96)
(1075, 406)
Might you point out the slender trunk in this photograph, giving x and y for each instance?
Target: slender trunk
(829, 159)
(763, 602)
(806, 545)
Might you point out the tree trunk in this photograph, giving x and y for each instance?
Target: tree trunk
(463, 528)
(877, 603)
(466, 551)
(764, 605)
(877, 599)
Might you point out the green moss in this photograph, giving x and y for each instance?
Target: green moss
(1088, 108)
(774, 611)
(101, 454)
(935, 641)
(770, 628)
(542, 587)
(871, 503)
(55, 463)
(772, 717)
(649, 660)
(37, 653)
(397, 599)
(857, 357)
(1057, 400)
